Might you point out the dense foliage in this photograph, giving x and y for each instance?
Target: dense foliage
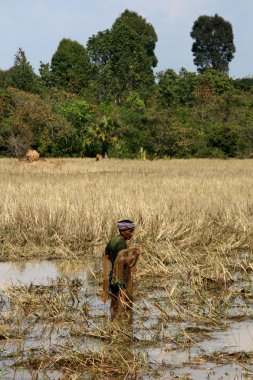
(123, 57)
(213, 46)
(105, 98)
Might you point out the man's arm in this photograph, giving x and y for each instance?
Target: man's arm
(129, 256)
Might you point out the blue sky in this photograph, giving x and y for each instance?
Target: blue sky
(37, 26)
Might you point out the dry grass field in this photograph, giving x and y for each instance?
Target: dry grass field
(62, 207)
(194, 227)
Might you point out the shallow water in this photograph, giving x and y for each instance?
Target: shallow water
(9, 374)
(237, 337)
(44, 272)
(163, 354)
(208, 371)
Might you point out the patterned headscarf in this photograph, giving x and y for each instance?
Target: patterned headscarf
(125, 225)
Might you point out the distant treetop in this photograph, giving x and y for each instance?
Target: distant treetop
(213, 46)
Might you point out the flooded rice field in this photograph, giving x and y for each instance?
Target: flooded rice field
(43, 272)
(53, 325)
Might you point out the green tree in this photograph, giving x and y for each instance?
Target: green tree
(70, 67)
(211, 87)
(99, 51)
(186, 87)
(80, 116)
(213, 46)
(46, 74)
(30, 121)
(244, 84)
(6, 109)
(22, 76)
(224, 138)
(219, 82)
(133, 132)
(170, 134)
(167, 86)
(102, 134)
(124, 57)
(176, 88)
(5, 78)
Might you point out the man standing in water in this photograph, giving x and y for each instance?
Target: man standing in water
(118, 263)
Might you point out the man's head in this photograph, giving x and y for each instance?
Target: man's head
(126, 228)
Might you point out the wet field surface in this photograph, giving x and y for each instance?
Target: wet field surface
(50, 308)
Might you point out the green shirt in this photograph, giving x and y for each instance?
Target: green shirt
(115, 245)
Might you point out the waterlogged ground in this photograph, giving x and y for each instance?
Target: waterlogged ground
(54, 326)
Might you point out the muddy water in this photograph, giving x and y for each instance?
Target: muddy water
(44, 272)
(169, 361)
(237, 338)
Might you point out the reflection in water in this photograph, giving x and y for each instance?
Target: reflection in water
(44, 272)
(238, 337)
(26, 374)
(210, 371)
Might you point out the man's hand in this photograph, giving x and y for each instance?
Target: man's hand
(134, 257)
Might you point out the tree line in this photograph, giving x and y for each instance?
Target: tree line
(105, 98)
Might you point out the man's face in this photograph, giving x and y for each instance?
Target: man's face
(127, 234)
